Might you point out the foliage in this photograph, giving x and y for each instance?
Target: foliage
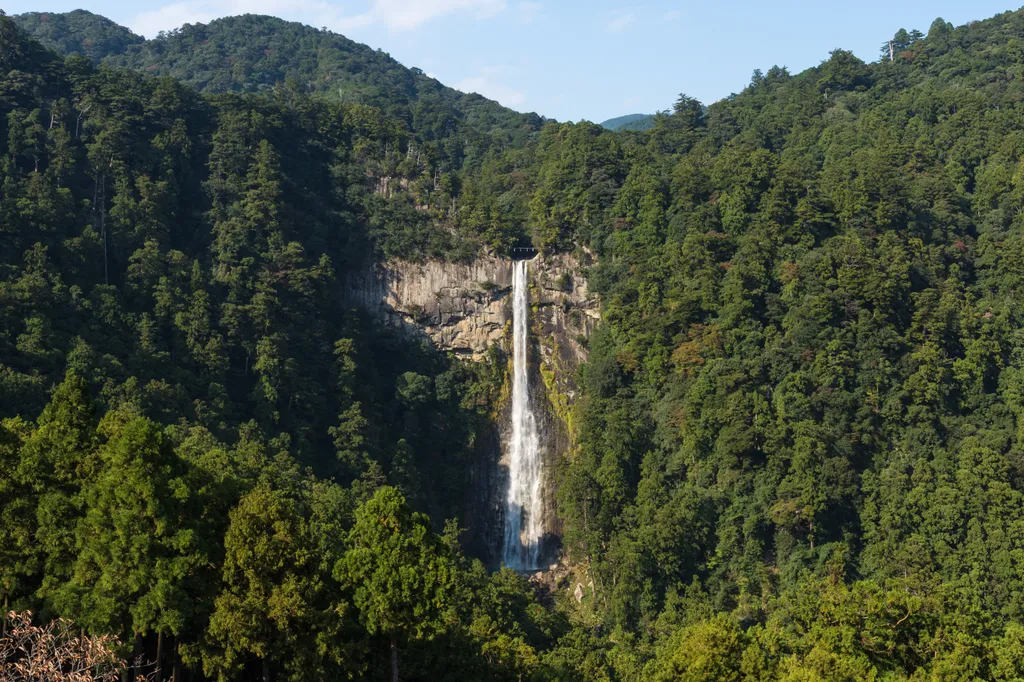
(53, 652)
(630, 122)
(798, 430)
(78, 32)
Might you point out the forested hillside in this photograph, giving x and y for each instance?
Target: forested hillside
(252, 53)
(78, 32)
(190, 415)
(630, 122)
(798, 446)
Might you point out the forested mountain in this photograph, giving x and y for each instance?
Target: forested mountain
(630, 122)
(253, 53)
(79, 32)
(175, 352)
(798, 446)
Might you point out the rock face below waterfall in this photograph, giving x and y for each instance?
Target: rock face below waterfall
(466, 309)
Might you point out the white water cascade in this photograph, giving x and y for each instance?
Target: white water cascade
(524, 514)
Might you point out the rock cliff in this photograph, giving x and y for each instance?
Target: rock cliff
(466, 309)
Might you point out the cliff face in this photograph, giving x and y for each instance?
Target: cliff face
(564, 315)
(466, 309)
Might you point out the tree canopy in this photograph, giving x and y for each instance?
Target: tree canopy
(798, 433)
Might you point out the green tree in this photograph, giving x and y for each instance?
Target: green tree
(400, 571)
(273, 605)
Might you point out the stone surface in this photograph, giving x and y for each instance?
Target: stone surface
(565, 316)
(466, 309)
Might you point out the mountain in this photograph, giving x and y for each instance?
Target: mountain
(78, 32)
(253, 53)
(795, 450)
(186, 259)
(630, 122)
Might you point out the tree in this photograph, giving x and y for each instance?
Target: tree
(139, 556)
(19, 562)
(399, 569)
(53, 652)
(58, 458)
(940, 29)
(273, 605)
(704, 651)
(689, 111)
(843, 71)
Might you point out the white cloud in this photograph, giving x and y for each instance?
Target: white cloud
(485, 83)
(400, 15)
(396, 15)
(621, 22)
(313, 12)
(673, 15)
(528, 11)
(169, 16)
(352, 23)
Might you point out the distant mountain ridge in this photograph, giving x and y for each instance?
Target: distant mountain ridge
(630, 122)
(78, 32)
(253, 53)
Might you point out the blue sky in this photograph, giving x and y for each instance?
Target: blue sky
(572, 60)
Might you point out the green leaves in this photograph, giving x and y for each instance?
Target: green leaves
(128, 574)
(400, 570)
(799, 427)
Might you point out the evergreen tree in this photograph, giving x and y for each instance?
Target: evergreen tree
(400, 571)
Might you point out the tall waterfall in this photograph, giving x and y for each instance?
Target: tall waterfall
(524, 515)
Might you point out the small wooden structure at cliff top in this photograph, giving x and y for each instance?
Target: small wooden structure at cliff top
(524, 252)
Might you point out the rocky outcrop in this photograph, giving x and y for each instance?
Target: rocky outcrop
(565, 314)
(467, 309)
(464, 308)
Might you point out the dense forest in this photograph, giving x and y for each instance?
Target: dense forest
(630, 122)
(799, 445)
(79, 33)
(252, 53)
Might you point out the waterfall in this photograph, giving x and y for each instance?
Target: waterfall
(524, 516)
